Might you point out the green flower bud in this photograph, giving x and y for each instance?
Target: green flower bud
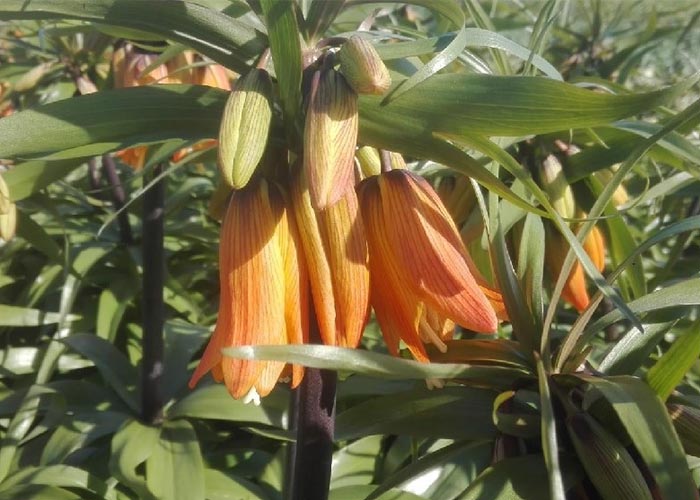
(363, 68)
(244, 127)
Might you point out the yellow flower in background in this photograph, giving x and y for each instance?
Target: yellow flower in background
(264, 291)
(421, 285)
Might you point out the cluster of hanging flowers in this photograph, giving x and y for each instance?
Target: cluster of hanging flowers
(305, 239)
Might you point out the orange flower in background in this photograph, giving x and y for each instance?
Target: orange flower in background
(264, 291)
(420, 282)
(128, 68)
(336, 252)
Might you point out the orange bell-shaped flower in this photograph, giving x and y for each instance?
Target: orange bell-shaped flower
(420, 282)
(336, 252)
(264, 290)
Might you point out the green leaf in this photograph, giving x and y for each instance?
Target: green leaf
(675, 363)
(59, 475)
(111, 307)
(461, 104)
(225, 39)
(475, 37)
(25, 179)
(443, 473)
(355, 463)
(285, 46)
(25, 316)
(38, 492)
(131, 446)
(684, 293)
(633, 349)
(37, 237)
(214, 402)
(370, 363)
(550, 447)
(522, 477)
(113, 119)
(221, 486)
(112, 365)
(452, 412)
(19, 425)
(175, 469)
(361, 492)
(648, 425)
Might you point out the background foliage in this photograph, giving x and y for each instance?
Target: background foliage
(605, 402)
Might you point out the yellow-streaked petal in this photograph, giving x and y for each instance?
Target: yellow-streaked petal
(429, 249)
(252, 289)
(397, 309)
(330, 137)
(336, 253)
(296, 306)
(343, 235)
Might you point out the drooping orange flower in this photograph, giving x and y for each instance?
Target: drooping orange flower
(420, 282)
(336, 252)
(264, 291)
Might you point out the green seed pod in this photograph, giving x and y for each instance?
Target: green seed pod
(244, 127)
(608, 464)
(557, 187)
(363, 68)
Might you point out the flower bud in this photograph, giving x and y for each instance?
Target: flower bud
(594, 245)
(363, 68)
(368, 158)
(620, 196)
(557, 187)
(244, 127)
(330, 137)
(686, 421)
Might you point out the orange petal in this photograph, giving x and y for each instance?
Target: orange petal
(574, 291)
(336, 252)
(594, 245)
(252, 289)
(134, 157)
(397, 309)
(330, 137)
(428, 248)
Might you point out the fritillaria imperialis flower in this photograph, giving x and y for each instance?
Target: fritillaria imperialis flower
(420, 281)
(264, 290)
(336, 252)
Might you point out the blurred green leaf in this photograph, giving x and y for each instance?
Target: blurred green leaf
(131, 446)
(27, 178)
(112, 365)
(213, 401)
(633, 349)
(225, 39)
(452, 412)
(355, 463)
(673, 365)
(648, 425)
(175, 469)
(25, 316)
(443, 473)
(59, 475)
(522, 477)
(361, 492)
(221, 486)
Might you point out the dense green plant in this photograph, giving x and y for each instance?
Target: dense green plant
(599, 402)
